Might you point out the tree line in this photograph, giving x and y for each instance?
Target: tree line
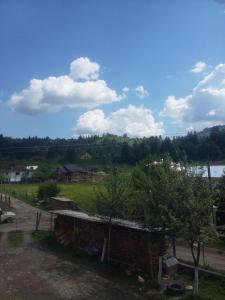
(111, 149)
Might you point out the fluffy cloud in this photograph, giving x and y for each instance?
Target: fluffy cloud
(81, 88)
(141, 92)
(175, 108)
(206, 104)
(83, 68)
(199, 67)
(134, 121)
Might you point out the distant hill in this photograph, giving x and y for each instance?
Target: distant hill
(207, 131)
(209, 144)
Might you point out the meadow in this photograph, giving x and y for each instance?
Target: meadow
(81, 192)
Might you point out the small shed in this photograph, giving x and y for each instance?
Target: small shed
(130, 243)
(60, 203)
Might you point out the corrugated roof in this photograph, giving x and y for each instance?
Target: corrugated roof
(118, 222)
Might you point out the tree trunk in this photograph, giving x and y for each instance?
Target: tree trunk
(196, 258)
(160, 271)
(203, 254)
(161, 245)
(173, 239)
(196, 281)
(109, 238)
(103, 249)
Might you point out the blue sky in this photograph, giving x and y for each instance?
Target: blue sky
(80, 55)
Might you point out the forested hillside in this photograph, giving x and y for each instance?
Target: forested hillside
(111, 149)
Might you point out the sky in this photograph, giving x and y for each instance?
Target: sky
(135, 67)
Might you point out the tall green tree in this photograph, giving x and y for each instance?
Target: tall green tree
(156, 188)
(111, 202)
(195, 215)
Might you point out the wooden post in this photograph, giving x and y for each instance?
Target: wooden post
(38, 219)
(51, 222)
(36, 226)
(104, 249)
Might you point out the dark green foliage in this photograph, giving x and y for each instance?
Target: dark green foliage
(47, 190)
(220, 192)
(111, 149)
(111, 197)
(156, 192)
(43, 173)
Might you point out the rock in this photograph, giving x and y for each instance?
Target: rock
(141, 279)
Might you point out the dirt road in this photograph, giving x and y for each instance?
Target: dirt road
(25, 217)
(30, 272)
(213, 258)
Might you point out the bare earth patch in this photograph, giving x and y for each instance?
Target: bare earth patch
(29, 272)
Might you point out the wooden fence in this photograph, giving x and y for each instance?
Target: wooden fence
(6, 200)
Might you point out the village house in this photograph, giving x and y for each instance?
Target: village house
(19, 174)
(73, 173)
(130, 243)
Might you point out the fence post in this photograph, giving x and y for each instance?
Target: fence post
(51, 222)
(38, 219)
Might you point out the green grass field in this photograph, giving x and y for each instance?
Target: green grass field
(82, 193)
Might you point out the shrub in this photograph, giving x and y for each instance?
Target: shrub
(47, 190)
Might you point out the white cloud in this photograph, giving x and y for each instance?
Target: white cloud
(134, 121)
(175, 108)
(141, 92)
(199, 67)
(83, 68)
(53, 93)
(206, 104)
(125, 90)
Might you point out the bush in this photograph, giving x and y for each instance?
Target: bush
(47, 190)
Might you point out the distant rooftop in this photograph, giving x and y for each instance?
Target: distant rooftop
(216, 171)
(73, 168)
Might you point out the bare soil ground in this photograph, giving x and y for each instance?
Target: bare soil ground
(25, 217)
(29, 272)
